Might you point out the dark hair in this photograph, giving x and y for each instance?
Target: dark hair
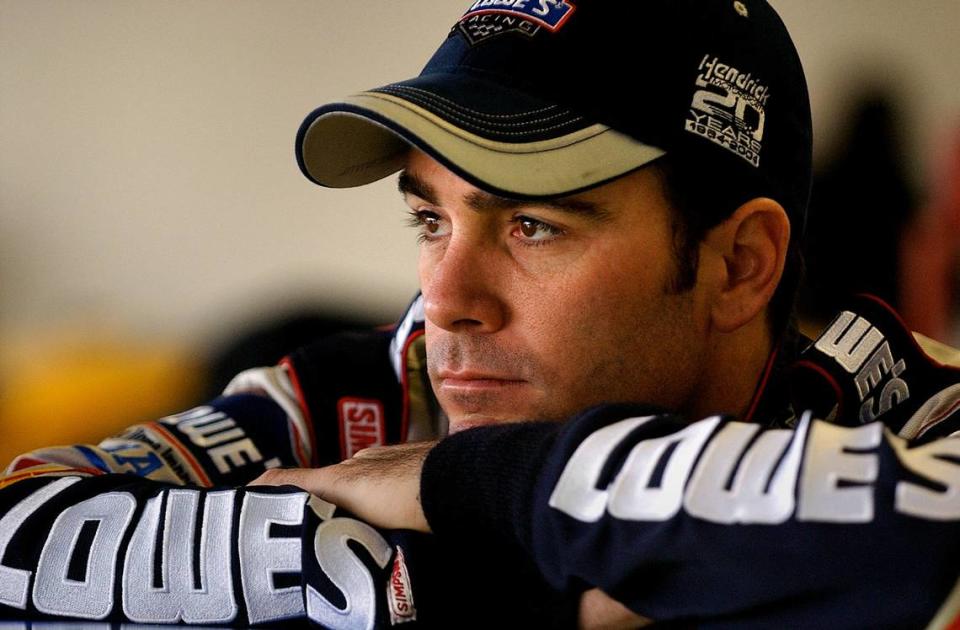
(697, 208)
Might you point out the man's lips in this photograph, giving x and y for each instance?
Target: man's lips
(475, 398)
(477, 380)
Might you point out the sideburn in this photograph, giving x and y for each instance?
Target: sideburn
(686, 257)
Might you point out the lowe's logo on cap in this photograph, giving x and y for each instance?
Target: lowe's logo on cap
(551, 14)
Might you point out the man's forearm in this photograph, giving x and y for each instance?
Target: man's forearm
(701, 520)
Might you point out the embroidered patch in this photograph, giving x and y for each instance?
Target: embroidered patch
(361, 425)
(400, 593)
(176, 455)
(861, 349)
(131, 456)
(487, 18)
(729, 109)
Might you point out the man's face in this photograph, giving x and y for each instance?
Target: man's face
(537, 310)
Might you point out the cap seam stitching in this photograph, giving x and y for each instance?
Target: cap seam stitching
(471, 120)
(473, 111)
(467, 117)
(409, 108)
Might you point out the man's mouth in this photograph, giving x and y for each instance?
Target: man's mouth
(473, 398)
(466, 381)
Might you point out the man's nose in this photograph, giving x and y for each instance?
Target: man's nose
(462, 288)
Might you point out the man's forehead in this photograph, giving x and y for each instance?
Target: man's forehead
(430, 181)
(410, 183)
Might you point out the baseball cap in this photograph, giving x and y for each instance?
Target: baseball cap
(544, 98)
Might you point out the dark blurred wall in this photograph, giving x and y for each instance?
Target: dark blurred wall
(861, 201)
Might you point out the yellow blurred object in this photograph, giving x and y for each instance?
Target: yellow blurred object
(81, 388)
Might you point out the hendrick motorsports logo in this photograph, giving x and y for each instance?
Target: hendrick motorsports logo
(487, 18)
(730, 109)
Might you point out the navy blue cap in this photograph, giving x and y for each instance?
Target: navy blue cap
(545, 98)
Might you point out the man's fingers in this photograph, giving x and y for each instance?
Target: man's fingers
(313, 480)
(279, 477)
(381, 487)
(370, 451)
(599, 611)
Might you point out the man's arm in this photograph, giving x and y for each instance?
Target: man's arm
(715, 520)
(150, 526)
(151, 514)
(119, 548)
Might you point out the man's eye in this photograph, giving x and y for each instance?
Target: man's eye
(431, 224)
(538, 231)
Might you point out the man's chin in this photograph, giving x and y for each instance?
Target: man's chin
(507, 407)
(457, 425)
(463, 423)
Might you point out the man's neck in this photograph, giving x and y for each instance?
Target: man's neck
(733, 371)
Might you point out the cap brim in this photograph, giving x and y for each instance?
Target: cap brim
(367, 136)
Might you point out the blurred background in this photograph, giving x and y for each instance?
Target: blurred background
(156, 234)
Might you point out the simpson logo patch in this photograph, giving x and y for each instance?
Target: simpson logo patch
(399, 592)
(361, 425)
(729, 109)
(487, 18)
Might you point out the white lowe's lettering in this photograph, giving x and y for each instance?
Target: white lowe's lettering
(15, 583)
(178, 599)
(54, 592)
(634, 497)
(226, 443)
(859, 347)
(932, 461)
(514, 4)
(881, 365)
(177, 566)
(762, 491)
(262, 556)
(741, 477)
(234, 455)
(545, 5)
(829, 463)
(576, 491)
(849, 340)
(206, 427)
(347, 573)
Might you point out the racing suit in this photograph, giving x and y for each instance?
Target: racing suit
(836, 497)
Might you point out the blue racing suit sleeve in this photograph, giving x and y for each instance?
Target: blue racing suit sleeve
(715, 522)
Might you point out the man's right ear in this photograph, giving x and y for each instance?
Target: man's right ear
(749, 249)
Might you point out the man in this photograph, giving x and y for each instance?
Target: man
(608, 196)
(554, 274)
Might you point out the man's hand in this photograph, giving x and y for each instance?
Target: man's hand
(599, 611)
(381, 485)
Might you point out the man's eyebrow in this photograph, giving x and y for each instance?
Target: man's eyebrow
(480, 201)
(410, 184)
